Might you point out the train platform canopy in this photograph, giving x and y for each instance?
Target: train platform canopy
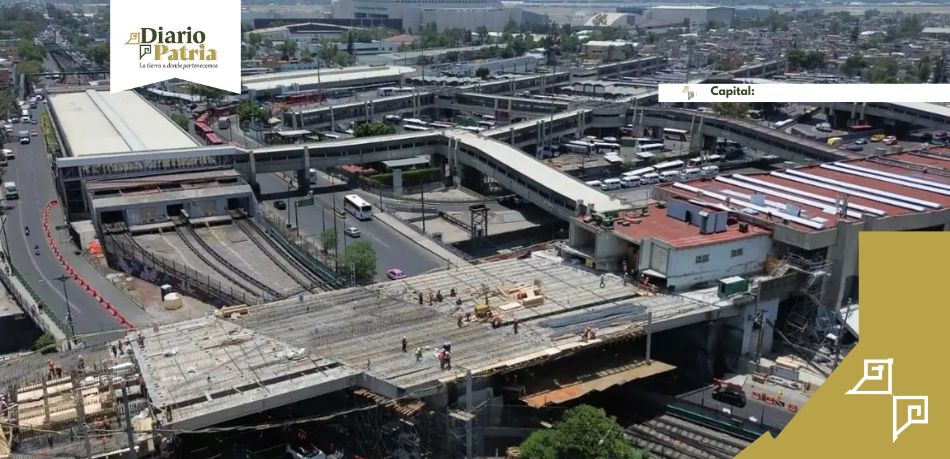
(97, 122)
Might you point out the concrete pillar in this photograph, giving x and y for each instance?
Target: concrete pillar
(709, 143)
(332, 120)
(303, 179)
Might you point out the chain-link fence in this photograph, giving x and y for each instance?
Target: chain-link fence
(301, 248)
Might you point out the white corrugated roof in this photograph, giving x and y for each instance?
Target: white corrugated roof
(97, 122)
(269, 81)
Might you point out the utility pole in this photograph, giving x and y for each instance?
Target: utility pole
(128, 421)
(69, 314)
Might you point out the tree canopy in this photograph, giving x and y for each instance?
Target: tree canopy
(373, 129)
(583, 431)
(731, 109)
(361, 258)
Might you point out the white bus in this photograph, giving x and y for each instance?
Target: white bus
(603, 147)
(676, 164)
(383, 92)
(358, 207)
(674, 134)
(472, 128)
(577, 146)
(487, 124)
(440, 125)
(413, 127)
(709, 159)
(650, 148)
(312, 177)
(415, 122)
(638, 172)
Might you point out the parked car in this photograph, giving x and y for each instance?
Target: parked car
(395, 273)
(351, 231)
(890, 140)
(877, 137)
(730, 396)
(861, 142)
(280, 205)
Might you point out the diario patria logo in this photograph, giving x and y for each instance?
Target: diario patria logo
(182, 48)
(203, 46)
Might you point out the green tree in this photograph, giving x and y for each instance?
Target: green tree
(814, 60)
(482, 32)
(45, 344)
(853, 65)
(288, 49)
(361, 258)
(328, 240)
(483, 72)
(254, 39)
(731, 109)
(373, 129)
(923, 69)
(180, 120)
(29, 68)
(795, 58)
(99, 53)
(583, 432)
(249, 111)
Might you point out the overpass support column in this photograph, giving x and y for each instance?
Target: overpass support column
(332, 120)
(511, 136)
(709, 143)
(252, 174)
(864, 108)
(303, 177)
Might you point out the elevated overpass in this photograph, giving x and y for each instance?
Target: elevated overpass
(749, 134)
(933, 116)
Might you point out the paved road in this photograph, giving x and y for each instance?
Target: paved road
(769, 415)
(392, 249)
(31, 172)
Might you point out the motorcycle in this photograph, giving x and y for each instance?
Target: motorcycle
(27, 230)
(36, 249)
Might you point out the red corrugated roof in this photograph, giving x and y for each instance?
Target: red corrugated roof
(677, 233)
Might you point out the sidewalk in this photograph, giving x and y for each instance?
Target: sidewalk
(419, 239)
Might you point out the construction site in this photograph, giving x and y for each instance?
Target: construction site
(425, 363)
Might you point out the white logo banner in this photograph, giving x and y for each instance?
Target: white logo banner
(806, 93)
(152, 41)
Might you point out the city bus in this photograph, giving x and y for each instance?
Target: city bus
(358, 207)
(577, 146)
(414, 122)
(383, 92)
(695, 162)
(413, 127)
(603, 147)
(676, 164)
(674, 134)
(651, 148)
(440, 125)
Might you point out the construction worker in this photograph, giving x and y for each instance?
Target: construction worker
(420, 299)
(50, 369)
(419, 354)
(515, 325)
(404, 343)
(442, 359)
(460, 320)
(115, 352)
(82, 363)
(448, 360)
(603, 280)
(438, 296)
(452, 292)
(496, 321)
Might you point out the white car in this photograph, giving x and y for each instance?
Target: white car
(351, 231)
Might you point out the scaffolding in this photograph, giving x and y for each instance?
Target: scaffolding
(810, 319)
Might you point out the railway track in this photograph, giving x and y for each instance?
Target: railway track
(285, 261)
(666, 436)
(124, 239)
(220, 264)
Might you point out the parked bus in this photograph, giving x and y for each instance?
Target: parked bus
(603, 147)
(650, 148)
(708, 159)
(674, 134)
(383, 92)
(675, 164)
(358, 207)
(413, 127)
(577, 146)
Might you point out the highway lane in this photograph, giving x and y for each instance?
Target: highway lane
(392, 249)
(31, 172)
